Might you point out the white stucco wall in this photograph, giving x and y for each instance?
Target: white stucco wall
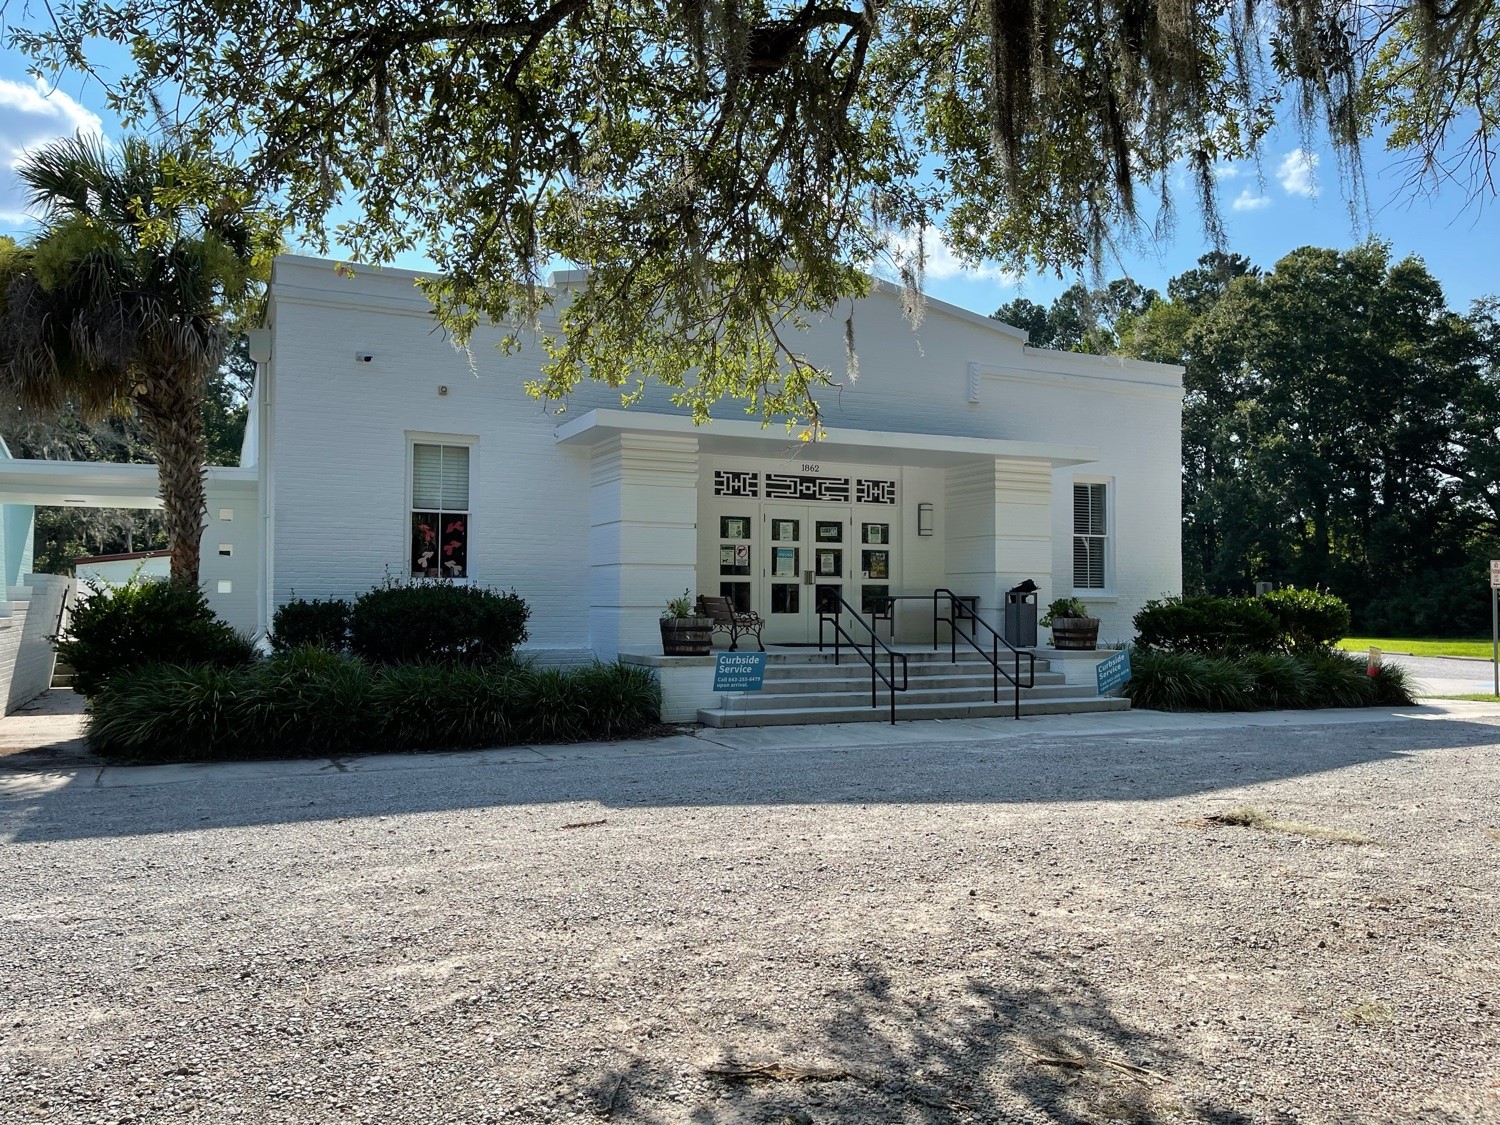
(334, 439)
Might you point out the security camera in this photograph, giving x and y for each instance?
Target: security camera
(364, 357)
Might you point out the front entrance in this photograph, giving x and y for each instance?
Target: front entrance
(789, 562)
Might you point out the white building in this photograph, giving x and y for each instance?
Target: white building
(960, 458)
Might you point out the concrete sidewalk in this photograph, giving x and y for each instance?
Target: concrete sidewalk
(61, 758)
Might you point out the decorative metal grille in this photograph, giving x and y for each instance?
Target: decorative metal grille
(786, 486)
(739, 485)
(874, 491)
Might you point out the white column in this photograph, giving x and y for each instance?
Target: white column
(643, 519)
(999, 529)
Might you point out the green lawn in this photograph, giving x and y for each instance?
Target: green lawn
(1474, 698)
(1419, 646)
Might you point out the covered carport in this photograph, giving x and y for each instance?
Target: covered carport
(33, 603)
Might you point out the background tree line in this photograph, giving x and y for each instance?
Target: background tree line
(1339, 426)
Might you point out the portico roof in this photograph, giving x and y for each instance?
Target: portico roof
(872, 447)
(98, 484)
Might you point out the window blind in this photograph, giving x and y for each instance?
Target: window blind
(1090, 526)
(1088, 509)
(440, 477)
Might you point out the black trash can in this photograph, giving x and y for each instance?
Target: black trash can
(1019, 627)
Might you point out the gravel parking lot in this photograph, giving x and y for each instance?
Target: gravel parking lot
(1031, 927)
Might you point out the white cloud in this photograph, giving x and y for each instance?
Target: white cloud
(1251, 201)
(941, 263)
(45, 104)
(1229, 171)
(1296, 173)
(31, 114)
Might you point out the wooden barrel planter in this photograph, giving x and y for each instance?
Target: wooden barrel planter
(1075, 632)
(686, 636)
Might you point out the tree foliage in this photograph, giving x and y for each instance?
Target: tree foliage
(724, 170)
(123, 299)
(62, 534)
(1080, 319)
(1340, 430)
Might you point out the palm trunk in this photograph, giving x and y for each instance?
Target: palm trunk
(171, 405)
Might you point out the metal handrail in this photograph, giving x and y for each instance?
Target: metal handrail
(825, 618)
(959, 610)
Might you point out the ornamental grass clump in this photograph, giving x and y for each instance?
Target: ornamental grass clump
(313, 703)
(1341, 679)
(1185, 681)
(309, 703)
(168, 713)
(1392, 686)
(1280, 681)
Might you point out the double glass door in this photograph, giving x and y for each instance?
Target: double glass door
(788, 562)
(804, 564)
(812, 556)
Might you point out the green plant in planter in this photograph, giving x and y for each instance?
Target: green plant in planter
(679, 607)
(683, 631)
(1073, 627)
(1065, 608)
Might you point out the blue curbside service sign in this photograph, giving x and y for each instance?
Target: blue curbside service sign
(1113, 672)
(740, 671)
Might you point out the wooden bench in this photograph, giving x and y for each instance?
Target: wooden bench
(729, 620)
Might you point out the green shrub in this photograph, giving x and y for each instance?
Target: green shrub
(323, 624)
(315, 703)
(145, 621)
(308, 703)
(622, 699)
(1340, 680)
(1188, 681)
(168, 713)
(1392, 686)
(436, 622)
(1208, 626)
(1281, 681)
(1307, 619)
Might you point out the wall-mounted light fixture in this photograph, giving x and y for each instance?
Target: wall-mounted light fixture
(259, 340)
(924, 518)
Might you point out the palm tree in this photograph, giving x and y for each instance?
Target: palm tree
(126, 296)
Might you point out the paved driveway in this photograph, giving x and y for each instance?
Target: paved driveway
(1033, 922)
(1439, 675)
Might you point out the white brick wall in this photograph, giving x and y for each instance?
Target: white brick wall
(336, 473)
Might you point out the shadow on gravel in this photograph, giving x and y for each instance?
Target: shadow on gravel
(974, 1051)
(1093, 768)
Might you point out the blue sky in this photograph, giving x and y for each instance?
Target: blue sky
(1294, 198)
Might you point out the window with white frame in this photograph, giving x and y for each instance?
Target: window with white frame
(439, 510)
(1090, 535)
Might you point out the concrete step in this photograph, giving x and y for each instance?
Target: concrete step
(916, 694)
(1070, 705)
(62, 675)
(859, 679)
(822, 665)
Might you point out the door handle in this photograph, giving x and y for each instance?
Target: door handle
(807, 578)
